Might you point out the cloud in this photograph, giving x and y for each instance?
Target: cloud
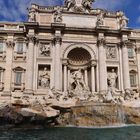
(138, 19)
(16, 10)
(111, 4)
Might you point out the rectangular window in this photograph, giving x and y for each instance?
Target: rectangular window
(19, 47)
(130, 53)
(1, 47)
(133, 79)
(18, 78)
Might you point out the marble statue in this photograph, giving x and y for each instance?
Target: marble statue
(69, 4)
(100, 19)
(78, 80)
(78, 87)
(79, 5)
(87, 4)
(58, 15)
(31, 15)
(44, 78)
(111, 77)
(45, 49)
(124, 21)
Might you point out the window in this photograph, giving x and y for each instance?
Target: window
(130, 53)
(1, 47)
(18, 78)
(133, 79)
(19, 47)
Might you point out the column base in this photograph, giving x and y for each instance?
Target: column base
(6, 93)
(28, 92)
(102, 91)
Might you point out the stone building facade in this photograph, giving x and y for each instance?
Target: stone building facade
(73, 50)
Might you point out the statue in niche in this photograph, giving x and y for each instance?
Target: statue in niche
(87, 4)
(45, 49)
(78, 80)
(58, 15)
(44, 79)
(78, 86)
(69, 4)
(100, 19)
(111, 77)
(31, 15)
(111, 53)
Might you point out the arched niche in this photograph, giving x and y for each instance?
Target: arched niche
(80, 46)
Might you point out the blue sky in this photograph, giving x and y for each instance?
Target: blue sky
(16, 10)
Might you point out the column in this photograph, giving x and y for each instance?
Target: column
(52, 76)
(65, 77)
(102, 65)
(125, 65)
(121, 70)
(30, 65)
(58, 65)
(68, 79)
(86, 77)
(138, 63)
(92, 78)
(8, 71)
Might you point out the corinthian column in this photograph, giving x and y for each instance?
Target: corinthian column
(125, 65)
(138, 64)
(93, 84)
(57, 64)
(8, 76)
(30, 65)
(102, 65)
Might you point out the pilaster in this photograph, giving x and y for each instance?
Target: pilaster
(30, 65)
(57, 62)
(102, 64)
(138, 63)
(8, 71)
(125, 65)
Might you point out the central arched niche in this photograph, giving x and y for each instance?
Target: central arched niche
(78, 60)
(79, 57)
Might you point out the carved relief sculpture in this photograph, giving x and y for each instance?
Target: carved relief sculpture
(58, 15)
(44, 78)
(111, 52)
(45, 49)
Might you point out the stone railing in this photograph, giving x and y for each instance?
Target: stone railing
(18, 87)
(19, 55)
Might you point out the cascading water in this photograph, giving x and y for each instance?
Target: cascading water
(97, 115)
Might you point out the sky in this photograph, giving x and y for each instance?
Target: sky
(16, 10)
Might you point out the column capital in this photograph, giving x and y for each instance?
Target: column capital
(138, 50)
(10, 44)
(101, 41)
(57, 40)
(32, 38)
(125, 43)
(65, 61)
(93, 63)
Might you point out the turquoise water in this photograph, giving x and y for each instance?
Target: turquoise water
(124, 133)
